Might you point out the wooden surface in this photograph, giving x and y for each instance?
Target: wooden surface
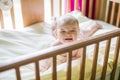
(107, 11)
(1, 20)
(32, 11)
(90, 8)
(76, 5)
(115, 60)
(84, 7)
(69, 65)
(94, 64)
(106, 56)
(82, 64)
(112, 15)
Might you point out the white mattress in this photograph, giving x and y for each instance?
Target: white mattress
(31, 39)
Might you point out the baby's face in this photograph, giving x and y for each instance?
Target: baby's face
(67, 33)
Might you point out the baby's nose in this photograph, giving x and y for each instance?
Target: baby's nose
(68, 33)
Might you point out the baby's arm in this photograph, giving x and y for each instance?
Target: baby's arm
(77, 53)
(90, 30)
(61, 59)
(45, 64)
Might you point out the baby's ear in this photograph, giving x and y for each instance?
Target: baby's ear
(54, 32)
(54, 24)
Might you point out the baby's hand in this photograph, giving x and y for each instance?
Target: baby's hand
(94, 26)
(61, 58)
(44, 65)
(99, 26)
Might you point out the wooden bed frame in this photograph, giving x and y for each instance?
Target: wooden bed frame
(31, 14)
(36, 57)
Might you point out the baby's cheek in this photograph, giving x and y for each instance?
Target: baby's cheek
(75, 37)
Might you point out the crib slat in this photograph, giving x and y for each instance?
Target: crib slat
(82, 64)
(107, 49)
(69, 58)
(119, 76)
(60, 7)
(97, 7)
(54, 74)
(8, 19)
(112, 14)
(118, 17)
(107, 11)
(18, 76)
(1, 20)
(37, 70)
(94, 64)
(68, 5)
(116, 54)
(84, 6)
(76, 5)
(52, 10)
(17, 15)
(13, 18)
(90, 8)
(101, 9)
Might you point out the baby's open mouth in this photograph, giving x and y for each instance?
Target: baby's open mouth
(68, 38)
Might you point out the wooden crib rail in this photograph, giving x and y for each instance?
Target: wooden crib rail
(110, 15)
(50, 52)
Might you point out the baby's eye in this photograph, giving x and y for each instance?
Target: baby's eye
(72, 30)
(62, 31)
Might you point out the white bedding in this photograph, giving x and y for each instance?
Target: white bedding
(24, 42)
(16, 43)
(35, 38)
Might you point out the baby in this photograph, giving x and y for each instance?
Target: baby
(66, 29)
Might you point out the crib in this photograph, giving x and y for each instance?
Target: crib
(70, 72)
